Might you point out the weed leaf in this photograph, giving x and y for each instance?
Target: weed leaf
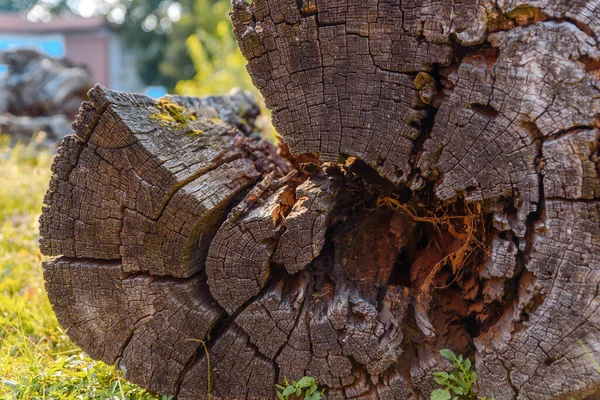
(448, 354)
(440, 394)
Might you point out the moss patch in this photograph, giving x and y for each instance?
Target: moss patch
(527, 15)
(174, 116)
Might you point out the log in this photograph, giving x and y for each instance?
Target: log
(38, 85)
(437, 187)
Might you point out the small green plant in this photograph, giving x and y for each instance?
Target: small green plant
(306, 384)
(458, 384)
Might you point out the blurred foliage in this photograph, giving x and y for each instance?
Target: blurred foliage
(218, 62)
(16, 5)
(198, 55)
(161, 54)
(176, 63)
(37, 359)
(174, 40)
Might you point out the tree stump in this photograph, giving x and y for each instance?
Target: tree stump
(441, 190)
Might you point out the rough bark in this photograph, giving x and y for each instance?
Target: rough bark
(492, 103)
(136, 199)
(442, 193)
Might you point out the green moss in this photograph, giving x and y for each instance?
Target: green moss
(425, 84)
(423, 80)
(526, 15)
(173, 116)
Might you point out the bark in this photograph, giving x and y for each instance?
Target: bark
(440, 191)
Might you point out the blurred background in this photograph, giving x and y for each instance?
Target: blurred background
(137, 46)
(51, 53)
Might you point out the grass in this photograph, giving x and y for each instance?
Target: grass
(37, 359)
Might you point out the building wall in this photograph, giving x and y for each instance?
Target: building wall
(83, 40)
(91, 49)
(123, 73)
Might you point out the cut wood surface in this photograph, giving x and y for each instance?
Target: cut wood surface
(438, 188)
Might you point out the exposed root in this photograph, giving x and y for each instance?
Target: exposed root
(471, 224)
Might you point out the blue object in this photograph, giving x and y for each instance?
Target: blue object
(52, 46)
(155, 91)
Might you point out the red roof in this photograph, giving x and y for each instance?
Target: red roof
(16, 23)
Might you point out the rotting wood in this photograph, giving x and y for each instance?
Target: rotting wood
(443, 194)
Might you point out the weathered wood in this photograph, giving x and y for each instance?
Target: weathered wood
(492, 103)
(306, 224)
(444, 194)
(147, 326)
(39, 85)
(136, 198)
(238, 261)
